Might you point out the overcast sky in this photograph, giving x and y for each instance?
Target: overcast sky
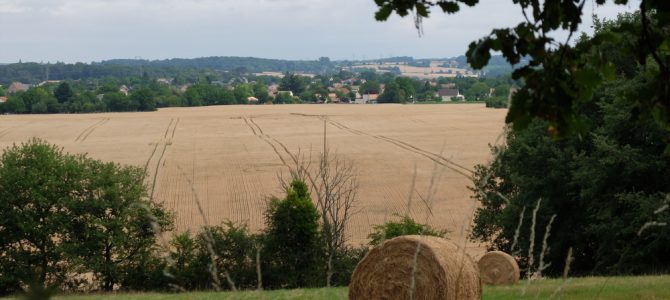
(94, 30)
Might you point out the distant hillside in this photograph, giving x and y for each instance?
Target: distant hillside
(36, 72)
(120, 68)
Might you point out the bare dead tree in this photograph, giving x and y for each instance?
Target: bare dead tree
(334, 186)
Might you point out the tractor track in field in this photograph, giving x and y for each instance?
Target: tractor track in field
(439, 159)
(274, 143)
(146, 165)
(6, 131)
(87, 132)
(172, 126)
(167, 130)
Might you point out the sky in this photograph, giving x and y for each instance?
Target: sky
(93, 30)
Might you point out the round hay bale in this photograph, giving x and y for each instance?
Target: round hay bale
(443, 271)
(498, 267)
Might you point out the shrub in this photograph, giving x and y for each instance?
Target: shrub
(292, 248)
(406, 226)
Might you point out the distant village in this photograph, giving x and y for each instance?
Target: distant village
(354, 86)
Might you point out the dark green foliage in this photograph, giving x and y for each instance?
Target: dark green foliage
(344, 264)
(284, 98)
(144, 98)
(405, 226)
(294, 83)
(292, 249)
(117, 101)
(63, 92)
(393, 94)
(497, 102)
(603, 187)
(122, 68)
(62, 213)
(235, 250)
(208, 94)
(370, 87)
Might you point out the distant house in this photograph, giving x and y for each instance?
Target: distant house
(332, 98)
(184, 88)
(273, 88)
(448, 85)
(3, 99)
(124, 90)
(370, 98)
(252, 99)
(165, 81)
(449, 95)
(16, 87)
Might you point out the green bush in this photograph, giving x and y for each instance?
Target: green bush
(292, 249)
(497, 102)
(406, 226)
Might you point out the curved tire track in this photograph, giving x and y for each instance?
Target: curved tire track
(172, 126)
(258, 132)
(86, 132)
(439, 159)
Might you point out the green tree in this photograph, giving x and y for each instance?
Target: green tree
(144, 97)
(117, 101)
(393, 94)
(115, 223)
(370, 87)
(63, 214)
(477, 91)
(598, 191)
(34, 96)
(292, 244)
(294, 83)
(243, 92)
(14, 104)
(261, 92)
(283, 98)
(63, 92)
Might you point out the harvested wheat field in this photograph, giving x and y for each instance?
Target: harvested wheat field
(229, 157)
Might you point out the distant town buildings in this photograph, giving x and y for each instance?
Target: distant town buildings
(124, 90)
(449, 94)
(16, 87)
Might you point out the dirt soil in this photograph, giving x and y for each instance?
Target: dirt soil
(230, 157)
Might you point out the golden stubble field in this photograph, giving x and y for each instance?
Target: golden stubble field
(231, 156)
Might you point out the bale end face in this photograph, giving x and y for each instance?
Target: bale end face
(498, 267)
(416, 267)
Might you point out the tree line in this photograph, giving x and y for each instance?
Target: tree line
(601, 196)
(147, 94)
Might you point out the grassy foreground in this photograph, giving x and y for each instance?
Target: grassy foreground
(642, 287)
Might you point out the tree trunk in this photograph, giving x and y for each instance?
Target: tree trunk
(108, 285)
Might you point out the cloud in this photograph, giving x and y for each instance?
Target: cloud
(85, 30)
